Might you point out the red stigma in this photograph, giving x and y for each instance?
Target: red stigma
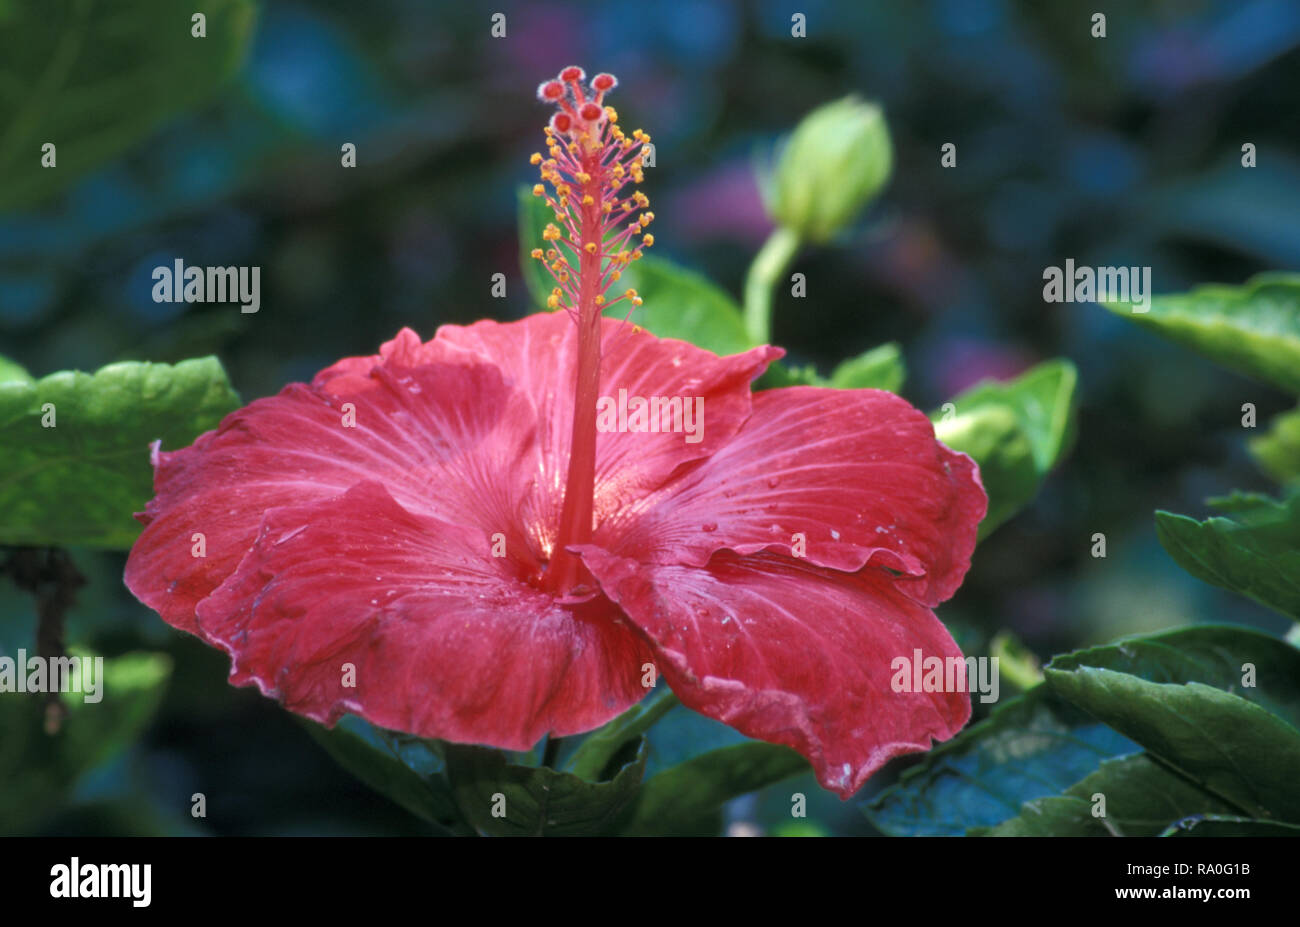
(571, 74)
(604, 82)
(550, 91)
(590, 112)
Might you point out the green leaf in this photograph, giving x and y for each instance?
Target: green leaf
(40, 769)
(78, 481)
(1141, 797)
(778, 375)
(1030, 747)
(1229, 826)
(879, 368)
(1016, 431)
(1278, 452)
(1253, 328)
(677, 303)
(687, 799)
(1185, 696)
(11, 371)
(1253, 550)
(500, 798)
(405, 769)
(1213, 655)
(95, 78)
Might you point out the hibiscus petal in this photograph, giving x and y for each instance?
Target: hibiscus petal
(793, 654)
(858, 473)
(442, 639)
(452, 441)
(536, 354)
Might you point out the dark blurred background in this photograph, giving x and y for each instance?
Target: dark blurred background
(1124, 150)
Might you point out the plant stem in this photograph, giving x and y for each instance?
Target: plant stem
(769, 266)
(53, 579)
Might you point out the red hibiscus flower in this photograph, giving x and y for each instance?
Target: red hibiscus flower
(487, 538)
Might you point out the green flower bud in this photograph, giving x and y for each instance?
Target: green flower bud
(836, 160)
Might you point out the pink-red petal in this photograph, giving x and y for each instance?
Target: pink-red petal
(841, 478)
(437, 637)
(451, 440)
(536, 355)
(791, 653)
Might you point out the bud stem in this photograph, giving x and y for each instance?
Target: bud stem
(769, 266)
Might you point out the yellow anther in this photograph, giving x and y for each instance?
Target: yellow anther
(637, 329)
(553, 301)
(551, 254)
(562, 276)
(647, 240)
(538, 189)
(600, 300)
(636, 255)
(587, 200)
(615, 275)
(551, 232)
(631, 293)
(536, 158)
(607, 207)
(589, 247)
(582, 177)
(611, 114)
(618, 172)
(641, 199)
(537, 253)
